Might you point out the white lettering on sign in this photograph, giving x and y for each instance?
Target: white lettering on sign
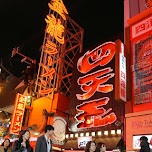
(142, 27)
(122, 76)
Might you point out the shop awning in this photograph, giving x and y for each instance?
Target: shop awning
(110, 142)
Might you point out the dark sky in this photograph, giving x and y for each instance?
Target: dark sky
(22, 24)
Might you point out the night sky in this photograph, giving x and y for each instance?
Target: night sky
(22, 24)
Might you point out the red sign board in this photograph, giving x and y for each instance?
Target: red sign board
(141, 27)
(17, 117)
(91, 113)
(141, 60)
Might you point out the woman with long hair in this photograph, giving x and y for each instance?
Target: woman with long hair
(90, 146)
(101, 147)
(23, 145)
(5, 147)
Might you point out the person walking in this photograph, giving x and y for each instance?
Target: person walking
(5, 147)
(144, 144)
(44, 143)
(101, 147)
(90, 146)
(23, 145)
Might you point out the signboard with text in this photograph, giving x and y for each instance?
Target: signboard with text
(93, 92)
(82, 141)
(141, 61)
(142, 70)
(141, 45)
(120, 73)
(18, 114)
(52, 46)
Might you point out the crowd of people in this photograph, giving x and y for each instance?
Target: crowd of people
(44, 143)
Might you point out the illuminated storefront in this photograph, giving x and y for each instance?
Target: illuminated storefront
(138, 31)
(95, 107)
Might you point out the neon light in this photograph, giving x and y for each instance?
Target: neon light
(58, 6)
(49, 61)
(55, 28)
(49, 72)
(94, 82)
(50, 48)
(47, 91)
(18, 114)
(92, 114)
(101, 55)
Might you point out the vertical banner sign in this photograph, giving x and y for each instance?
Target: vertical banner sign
(142, 61)
(52, 45)
(91, 112)
(120, 72)
(18, 114)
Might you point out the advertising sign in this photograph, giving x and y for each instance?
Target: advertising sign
(142, 70)
(91, 113)
(92, 91)
(82, 141)
(18, 114)
(120, 73)
(52, 44)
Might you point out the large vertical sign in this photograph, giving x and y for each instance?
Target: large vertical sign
(54, 38)
(141, 60)
(18, 114)
(120, 73)
(91, 113)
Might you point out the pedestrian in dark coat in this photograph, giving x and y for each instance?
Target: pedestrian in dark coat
(23, 145)
(44, 143)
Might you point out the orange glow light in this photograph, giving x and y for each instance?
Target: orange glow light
(91, 113)
(58, 6)
(18, 114)
(55, 28)
(94, 114)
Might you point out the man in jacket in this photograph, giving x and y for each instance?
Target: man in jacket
(44, 143)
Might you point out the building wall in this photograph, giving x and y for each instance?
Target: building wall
(132, 8)
(138, 123)
(139, 117)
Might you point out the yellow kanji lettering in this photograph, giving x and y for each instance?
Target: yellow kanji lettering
(55, 28)
(58, 6)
